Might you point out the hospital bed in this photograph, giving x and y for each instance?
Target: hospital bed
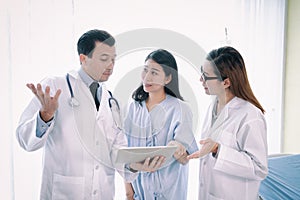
(283, 180)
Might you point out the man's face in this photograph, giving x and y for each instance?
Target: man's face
(99, 65)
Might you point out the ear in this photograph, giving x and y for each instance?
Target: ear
(226, 83)
(82, 58)
(168, 79)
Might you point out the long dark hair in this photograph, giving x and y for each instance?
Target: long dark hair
(167, 61)
(229, 63)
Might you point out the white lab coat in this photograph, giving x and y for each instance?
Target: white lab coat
(79, 146)
(241, 163)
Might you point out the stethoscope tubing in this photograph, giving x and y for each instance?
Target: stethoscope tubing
(69, 85)
(75, 103)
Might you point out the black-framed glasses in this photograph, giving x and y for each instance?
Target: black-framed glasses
(206, 78)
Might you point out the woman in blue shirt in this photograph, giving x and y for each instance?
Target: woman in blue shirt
(159, 117)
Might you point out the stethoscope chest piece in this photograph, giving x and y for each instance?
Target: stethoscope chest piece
(74, 102)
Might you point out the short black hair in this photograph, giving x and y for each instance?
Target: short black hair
(87, 41)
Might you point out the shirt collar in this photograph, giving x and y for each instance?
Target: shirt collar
(86, 78)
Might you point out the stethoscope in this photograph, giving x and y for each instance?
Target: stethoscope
(73, 102)
(113, 104)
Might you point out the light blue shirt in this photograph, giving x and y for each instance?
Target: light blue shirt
(42, 126)
(169, 120)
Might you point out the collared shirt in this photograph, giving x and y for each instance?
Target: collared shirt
(88, 81)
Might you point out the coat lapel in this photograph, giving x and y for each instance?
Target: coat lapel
(216, 130)
(90, 134)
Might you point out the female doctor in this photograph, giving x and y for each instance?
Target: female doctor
(80, 139)
(233, 157)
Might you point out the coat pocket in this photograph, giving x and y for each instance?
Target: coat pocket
(67, 187)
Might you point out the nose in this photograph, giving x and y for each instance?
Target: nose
(146, 76)
(201, 79)
(111, 64)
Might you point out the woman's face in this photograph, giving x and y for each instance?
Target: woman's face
(211, 83)
(154, 77)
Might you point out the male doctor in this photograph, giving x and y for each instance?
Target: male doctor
(77, 128)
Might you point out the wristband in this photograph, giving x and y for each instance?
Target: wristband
(127, 166)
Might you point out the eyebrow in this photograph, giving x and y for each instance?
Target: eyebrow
(201, 69)
(106, 54)
(154, 69)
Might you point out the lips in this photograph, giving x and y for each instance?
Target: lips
(147, 85)
(107, 73)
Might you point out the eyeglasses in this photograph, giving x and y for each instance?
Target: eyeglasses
(206, 78)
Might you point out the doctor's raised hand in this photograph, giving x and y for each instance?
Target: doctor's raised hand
(49, 103)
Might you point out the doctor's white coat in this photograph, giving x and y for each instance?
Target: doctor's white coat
(79, 146)
(241, 163)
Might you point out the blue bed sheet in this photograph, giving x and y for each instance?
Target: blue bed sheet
(283, 180)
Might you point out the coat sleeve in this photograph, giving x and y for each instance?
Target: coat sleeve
(27, 127)
(250, 160)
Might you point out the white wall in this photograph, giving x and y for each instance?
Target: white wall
(38, 38)
(292, 84)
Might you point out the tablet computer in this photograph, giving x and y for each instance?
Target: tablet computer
(139, 154)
